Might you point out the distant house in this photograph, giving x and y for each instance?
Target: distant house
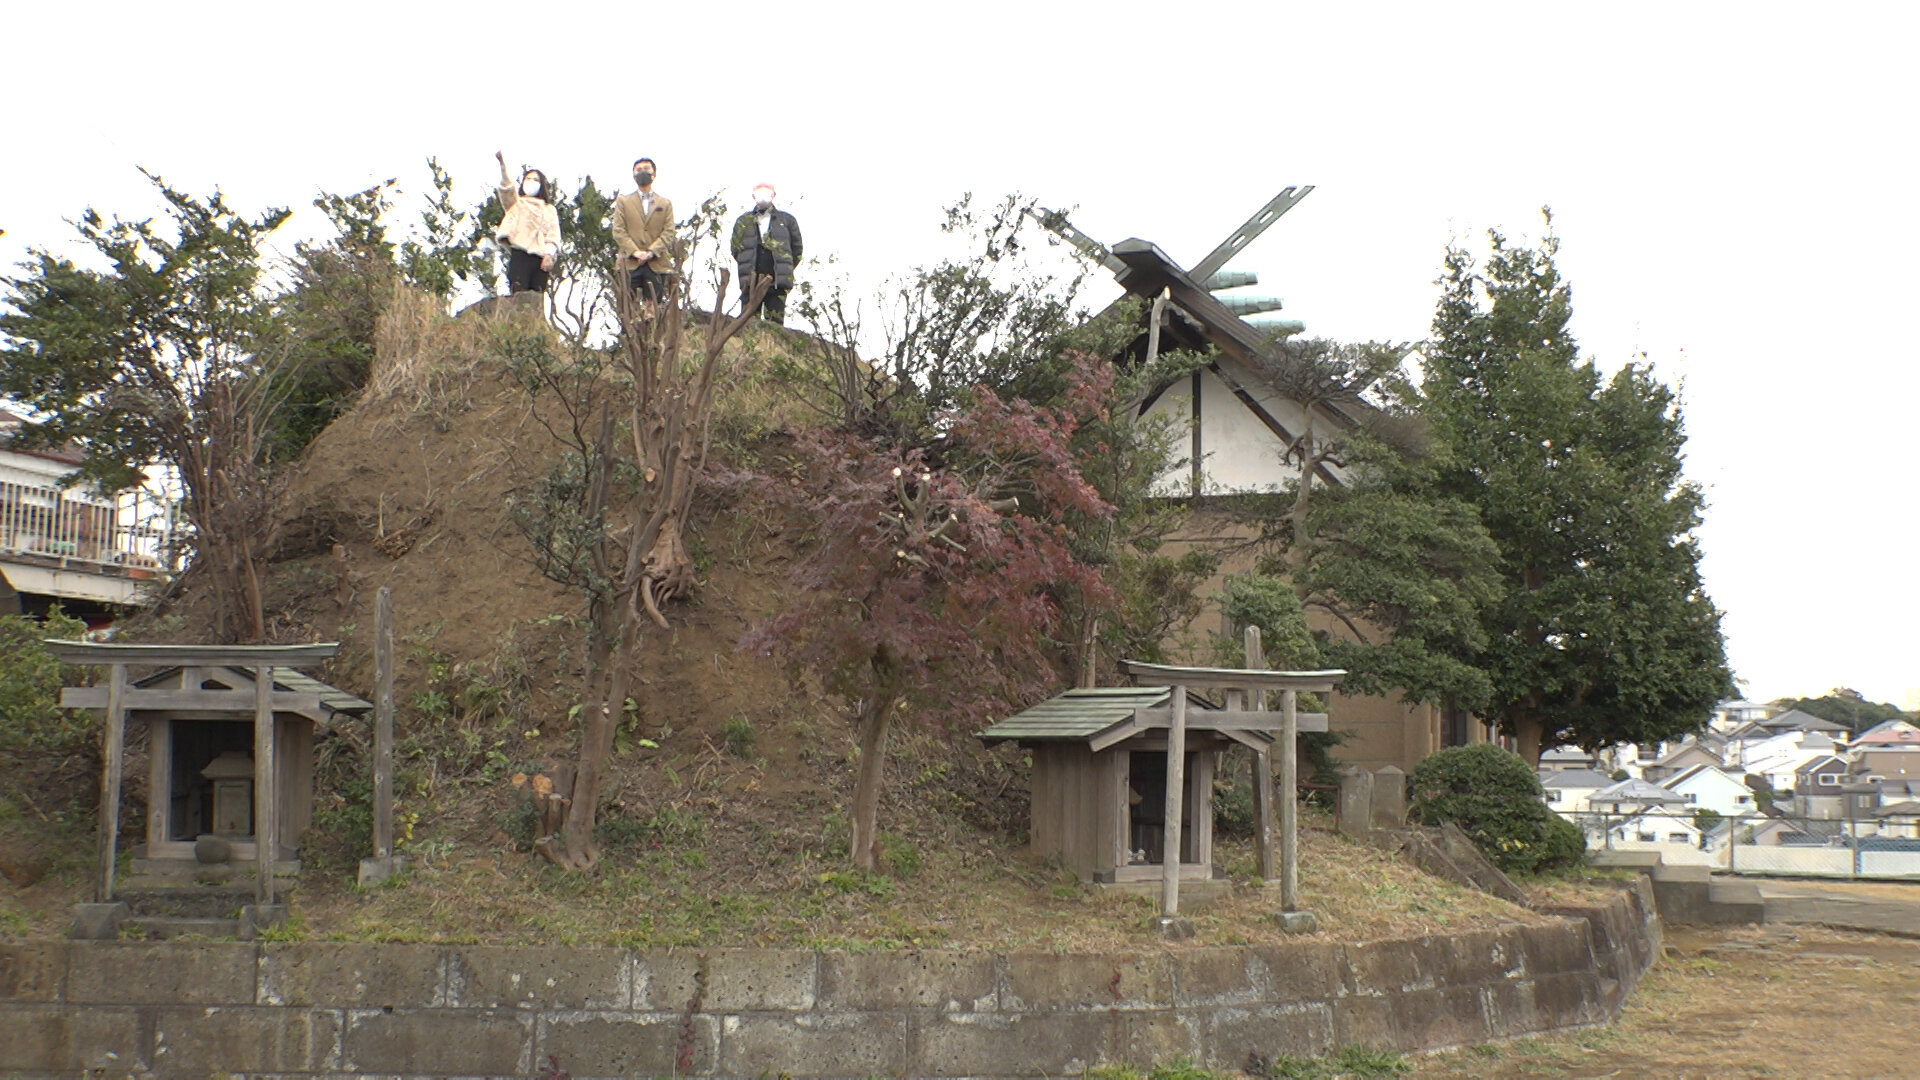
(1684, 757)
(1729, 715)
(1779, 758)
(1888, 762)
(1712, 789)
(1634, 796)
(1795, 720)
(1818, 787)
(1568, 757)
(66, 545)
(1568, 791)
(1636, 815)
(1887, 734)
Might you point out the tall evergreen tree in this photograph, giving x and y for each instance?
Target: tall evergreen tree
(1604, 632)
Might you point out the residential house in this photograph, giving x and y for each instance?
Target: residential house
(1818, 787)
(1729, 715)
(1778, 758)
(1685, 756)
(67, 545)
(1635, 814)
(1889, 762)
(1239, 424)
(1568, 757)
(1712, 789)
(1888, 733)
(1567, 791)
(1795, 720)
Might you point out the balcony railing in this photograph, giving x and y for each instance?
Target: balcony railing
(131, 536)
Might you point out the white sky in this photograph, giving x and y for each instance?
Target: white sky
(1733, 185)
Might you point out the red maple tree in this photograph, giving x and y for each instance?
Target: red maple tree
(935, 578)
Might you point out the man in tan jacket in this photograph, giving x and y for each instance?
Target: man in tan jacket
(643, 231)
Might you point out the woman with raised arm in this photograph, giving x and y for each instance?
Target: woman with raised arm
(530, 230)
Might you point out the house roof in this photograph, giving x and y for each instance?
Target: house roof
(1672, 783)
(68, 455)
(1795, 720)
(1814, 765)
(1638, 791)
(1568, 753)
(1575, 778)
(1889, 733)
(1689, 748)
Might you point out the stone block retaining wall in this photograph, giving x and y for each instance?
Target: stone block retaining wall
(309, 1009)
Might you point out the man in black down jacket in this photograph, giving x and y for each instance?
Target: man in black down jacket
(766, 241)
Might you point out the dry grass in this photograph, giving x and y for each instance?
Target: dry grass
(964, 892)
(424, 360)
(1748, 1002)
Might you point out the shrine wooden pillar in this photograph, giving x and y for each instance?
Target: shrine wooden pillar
(114, 751)
(265, 825)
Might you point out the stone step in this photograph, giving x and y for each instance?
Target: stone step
(203, 901)
(162, 927)
(188, 870)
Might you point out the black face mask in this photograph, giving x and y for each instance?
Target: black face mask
(642, 178)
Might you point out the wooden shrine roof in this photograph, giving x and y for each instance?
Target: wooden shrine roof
(1077, 715)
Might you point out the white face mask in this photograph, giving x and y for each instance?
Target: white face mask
(529, 186)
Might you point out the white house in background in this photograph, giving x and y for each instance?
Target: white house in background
(1729, 715)
(1567, 791)
(86, 552)
(1712, 789)
(1778, 758)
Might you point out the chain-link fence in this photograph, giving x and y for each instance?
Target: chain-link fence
(1864, 846)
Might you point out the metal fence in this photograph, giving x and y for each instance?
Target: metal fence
(134, 531)
(1863, 846)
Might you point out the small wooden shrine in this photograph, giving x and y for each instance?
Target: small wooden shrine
(1123, 776)
(230, 756)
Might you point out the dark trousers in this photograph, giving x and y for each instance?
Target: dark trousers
(773, 308)
(524, 273)
(647, 282)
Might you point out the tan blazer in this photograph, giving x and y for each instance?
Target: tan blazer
(634, 231)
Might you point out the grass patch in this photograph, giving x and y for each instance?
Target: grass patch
(1347, 1063)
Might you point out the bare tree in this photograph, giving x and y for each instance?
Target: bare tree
(610, 517)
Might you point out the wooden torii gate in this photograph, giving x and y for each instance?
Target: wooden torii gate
(118, 697)
(1244, 687)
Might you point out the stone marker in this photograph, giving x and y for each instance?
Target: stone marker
(1356, 801)
(1297, 922)
(98, 922)
(1173, 928)
(1390, 798)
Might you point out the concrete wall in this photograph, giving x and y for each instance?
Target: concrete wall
(176, 1009)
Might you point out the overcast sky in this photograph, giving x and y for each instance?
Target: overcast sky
(1733, 185)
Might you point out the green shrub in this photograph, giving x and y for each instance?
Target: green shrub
(1495, 798)
(31, 718)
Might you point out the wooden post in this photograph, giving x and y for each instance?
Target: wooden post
(1289, 802)
(1176, 781)
(263, 786)
(383, 724)
(1262, 768)
(110, 779)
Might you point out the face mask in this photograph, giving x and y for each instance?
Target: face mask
(529, 186)
(642, 178)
